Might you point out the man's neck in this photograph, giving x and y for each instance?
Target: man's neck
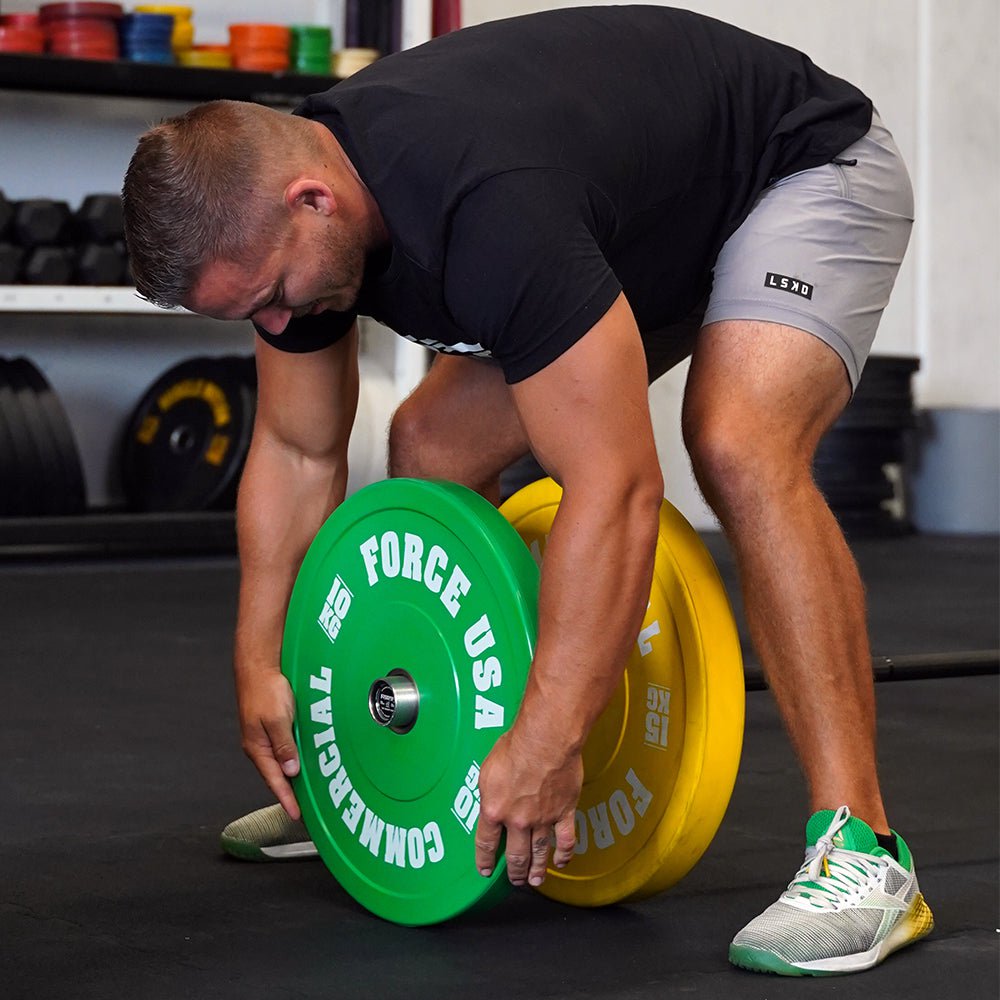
(347, 175)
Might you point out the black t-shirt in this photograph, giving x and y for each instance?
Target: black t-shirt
(530, 169)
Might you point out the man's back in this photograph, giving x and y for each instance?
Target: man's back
(631, 141)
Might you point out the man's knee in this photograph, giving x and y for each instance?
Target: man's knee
(410, 441)
(718, 452)
(739, 464)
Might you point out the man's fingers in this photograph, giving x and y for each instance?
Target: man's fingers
(541, 844)
(487, 845)
(274, 778)
(272, 749)
(279, 735)
(565, 831)
(518, 851)
(286, 754)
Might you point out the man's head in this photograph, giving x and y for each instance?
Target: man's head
(235, 210)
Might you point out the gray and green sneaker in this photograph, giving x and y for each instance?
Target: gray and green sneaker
(267, 835)
(848, 907)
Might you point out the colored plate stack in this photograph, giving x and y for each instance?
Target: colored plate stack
(182, 36)
(262, 48)
(21, 33)
(147, 38)
(40, 472)
(311, 46)
(206, 56)
(81, 30)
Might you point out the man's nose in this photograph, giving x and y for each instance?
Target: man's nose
(274, 319)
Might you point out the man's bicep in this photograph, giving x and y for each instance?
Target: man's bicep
(587, 413)
(307, 402)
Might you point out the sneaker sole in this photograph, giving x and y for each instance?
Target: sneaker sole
(247, 851)
(916, 923)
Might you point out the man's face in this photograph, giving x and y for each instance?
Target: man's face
(316, 265)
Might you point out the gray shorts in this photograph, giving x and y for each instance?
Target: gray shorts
(819, 251)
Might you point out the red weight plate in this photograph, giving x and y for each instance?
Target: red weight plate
(91, 52)
(19, 20)
(63, 11)
(87, 37)
(20, 40)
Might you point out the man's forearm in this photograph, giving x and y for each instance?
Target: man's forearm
(284, 499)
(595, 589)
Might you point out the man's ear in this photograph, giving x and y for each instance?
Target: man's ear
(310, 193)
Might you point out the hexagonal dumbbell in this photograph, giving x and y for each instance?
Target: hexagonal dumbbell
(11, 257)
(6, 214)
(41, 222)
(99, 264)
(127, 278)
(49, 266)
(99, 219)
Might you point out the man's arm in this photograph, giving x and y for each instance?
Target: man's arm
(296, 473)
(587, 417)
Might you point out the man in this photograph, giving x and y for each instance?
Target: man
(565, 205)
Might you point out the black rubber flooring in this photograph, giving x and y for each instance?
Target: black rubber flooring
(121, 764)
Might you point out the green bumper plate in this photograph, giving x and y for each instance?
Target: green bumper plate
(416, 606)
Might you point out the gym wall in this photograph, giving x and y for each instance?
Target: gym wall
(931, 66)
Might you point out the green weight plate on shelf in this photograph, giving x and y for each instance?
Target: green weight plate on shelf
(407, 644)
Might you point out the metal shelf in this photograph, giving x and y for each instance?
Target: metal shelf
(121, 78)
(78, 299)
(121, 533)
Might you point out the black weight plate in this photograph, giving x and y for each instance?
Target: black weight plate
(854, 495)
(897, 387)
(45, 454)
(886, 382)
(187, 439)
(902, 401)
(871, 522)
(28, 476)
(892, 364)
(887, 379)
(249, 364)
(72, 498)
(848, 472)
(244, 366)
(857, 446)
(839, 476)
(10, 471)
(877, 417)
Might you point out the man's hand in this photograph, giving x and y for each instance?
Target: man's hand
(267, 708)
(531, 789)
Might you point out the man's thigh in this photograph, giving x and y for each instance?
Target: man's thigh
(758, 388)
(460, 423)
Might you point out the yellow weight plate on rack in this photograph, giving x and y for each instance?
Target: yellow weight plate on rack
(661, 761)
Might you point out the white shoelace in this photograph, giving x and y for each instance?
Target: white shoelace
(840, 875)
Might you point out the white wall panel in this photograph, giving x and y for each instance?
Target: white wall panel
(931, 66)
